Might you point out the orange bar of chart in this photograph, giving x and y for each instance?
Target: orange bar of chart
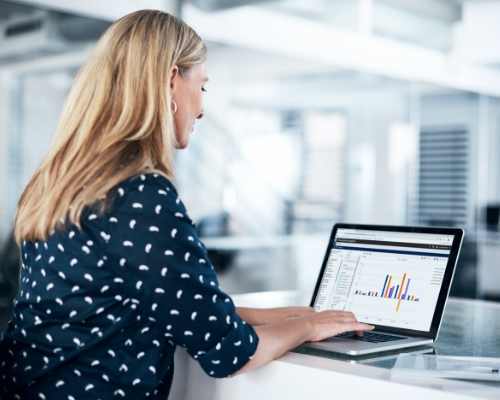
(401, 291)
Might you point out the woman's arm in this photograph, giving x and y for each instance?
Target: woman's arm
(263, 316)
(278, 338)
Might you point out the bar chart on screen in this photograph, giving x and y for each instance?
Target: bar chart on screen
(397, 291)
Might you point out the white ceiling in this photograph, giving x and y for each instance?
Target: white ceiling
(436, 42)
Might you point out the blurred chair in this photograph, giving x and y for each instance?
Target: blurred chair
(215, 226)
(9, 278)
(465, 279)
(492, 216)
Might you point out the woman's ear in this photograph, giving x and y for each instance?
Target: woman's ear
(174, 76)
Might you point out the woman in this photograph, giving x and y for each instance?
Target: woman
(113, 276)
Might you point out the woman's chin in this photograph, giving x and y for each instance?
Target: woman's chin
(181, 142)
(180, 145)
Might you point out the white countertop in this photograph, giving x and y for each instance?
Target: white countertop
(299, 376)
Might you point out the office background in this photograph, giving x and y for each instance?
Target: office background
(321, 111)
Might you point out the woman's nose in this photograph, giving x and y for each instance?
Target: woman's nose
(200, 115)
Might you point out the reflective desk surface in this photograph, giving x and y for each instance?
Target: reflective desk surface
(470, 328)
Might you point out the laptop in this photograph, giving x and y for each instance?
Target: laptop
(395, 278)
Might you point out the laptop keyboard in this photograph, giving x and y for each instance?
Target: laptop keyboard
(372, 337)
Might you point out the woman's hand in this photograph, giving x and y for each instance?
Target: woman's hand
(324, 324)
(277, 338)
(320, 325)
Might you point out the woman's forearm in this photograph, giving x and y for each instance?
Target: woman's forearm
(277, 339)
(256, 316)
(262, 316)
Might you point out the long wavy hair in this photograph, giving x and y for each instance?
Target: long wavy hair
(117, 121)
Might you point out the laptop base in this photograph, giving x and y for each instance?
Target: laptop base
(353, 347)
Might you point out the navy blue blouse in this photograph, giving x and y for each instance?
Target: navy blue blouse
(101, 310)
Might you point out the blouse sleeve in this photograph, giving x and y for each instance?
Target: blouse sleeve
(169, 274)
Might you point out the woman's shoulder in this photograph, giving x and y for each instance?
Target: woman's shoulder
(147, 191)
(147, 180)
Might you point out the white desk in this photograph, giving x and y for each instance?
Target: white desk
(308, 376)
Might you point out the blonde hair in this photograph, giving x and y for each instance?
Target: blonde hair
(116, 123)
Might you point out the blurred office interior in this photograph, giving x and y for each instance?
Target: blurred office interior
(319, 111)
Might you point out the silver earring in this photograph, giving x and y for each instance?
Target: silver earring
(174, 106)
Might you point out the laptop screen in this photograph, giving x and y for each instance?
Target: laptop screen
(384, 277)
